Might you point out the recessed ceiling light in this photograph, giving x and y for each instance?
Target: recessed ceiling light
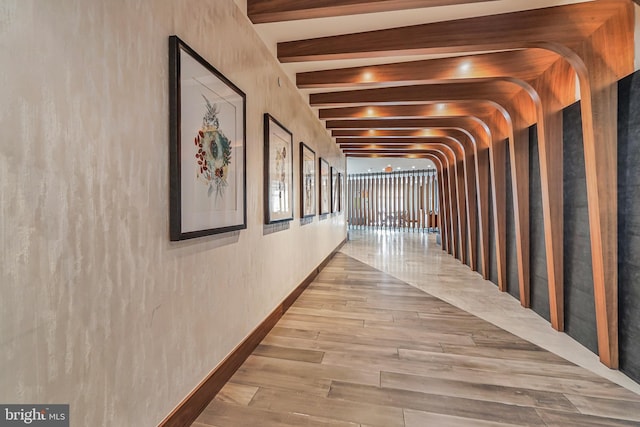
(465, 66)
(398, 168)
(367, 76)
(413, 167)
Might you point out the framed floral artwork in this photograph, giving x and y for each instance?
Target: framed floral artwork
(334, 189)
(278, 171)
(307, 181)
(325, 187)
(207, 117)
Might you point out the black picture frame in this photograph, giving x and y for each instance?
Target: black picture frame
(307, 181)
(324, 199)
(278, 171)
(341, 189)
(334, 190)
(207, 147)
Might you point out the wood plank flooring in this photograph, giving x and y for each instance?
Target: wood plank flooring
(361, 348)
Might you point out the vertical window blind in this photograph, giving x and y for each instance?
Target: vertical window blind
(395, 200)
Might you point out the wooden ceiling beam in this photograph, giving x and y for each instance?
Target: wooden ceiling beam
(366, 141)
(490, 90)
(400, 124)
(393, 147)
(443, 135)
(477, 127)
(525, 64)
(382, 134)
(394, 155)
(417, 128)
(566, 25)
(416, 150)
(436, 109)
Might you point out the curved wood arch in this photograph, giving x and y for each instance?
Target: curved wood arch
(482, 138)
(448, 199)
(465, 172)
(521, 115)
(442, 211)
(498, 92)
(600, 35)
(439, 159)
(456, 147)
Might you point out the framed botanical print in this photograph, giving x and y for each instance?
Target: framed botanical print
(307, 181)
(325, 187)
(207, 183)
(278, 171)
(334, 189)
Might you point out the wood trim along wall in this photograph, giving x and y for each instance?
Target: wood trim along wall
(196, 402)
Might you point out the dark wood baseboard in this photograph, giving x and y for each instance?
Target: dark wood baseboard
(196, 402)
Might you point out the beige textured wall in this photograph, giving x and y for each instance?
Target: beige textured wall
(97, 308)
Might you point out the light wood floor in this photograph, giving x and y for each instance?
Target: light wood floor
(361, 348)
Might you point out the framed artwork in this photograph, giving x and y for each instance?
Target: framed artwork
(207, 119)
(325, 187)
(340, 192)
(307, 181)
(278, 171)
(334, 189)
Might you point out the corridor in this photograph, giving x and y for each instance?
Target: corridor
(395, 332)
